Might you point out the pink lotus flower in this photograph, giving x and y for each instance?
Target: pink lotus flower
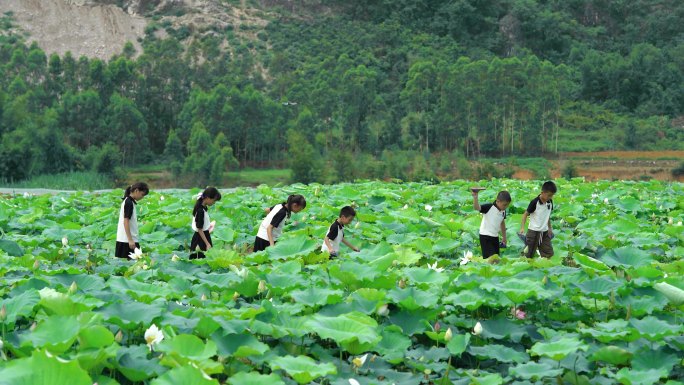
(518, 313)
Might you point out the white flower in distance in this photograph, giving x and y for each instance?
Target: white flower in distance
(605, 200)
(405, 206)
(153, 336)
(679, 223)
(262, 287)
(359, 361)
(161, 197)
(467, 256)
(383, 311)
(136, 254)
(428, 208)
(477, 330)
(241, 272)
(353, 382)
(175, 258)
(65, 242)
(448, 335)
(2, 344)
(670, 220)
(435, 268)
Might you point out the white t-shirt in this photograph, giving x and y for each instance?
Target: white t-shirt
(277, 217)
(491, 219)
(201, 220)
(127, 211)
(335, 234)
(540, 213)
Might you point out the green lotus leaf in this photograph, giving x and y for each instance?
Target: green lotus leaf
(612, 355)
(185, 375)
(134, 364)
(534, 371)
(238, 345)
(557, 350)
(43, 368)
(599, 287)
(11, 248)
(654, 329)
(458, 344)
(20, 305)
(627, 257)
(317, 296)
(57, 333)
(346, 328)
(253, 378)
(500, 353)
(302, 368)
(628, 376)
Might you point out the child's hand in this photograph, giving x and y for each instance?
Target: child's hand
(551, 234)
(209, 247)
(356, 249)
(131, 245)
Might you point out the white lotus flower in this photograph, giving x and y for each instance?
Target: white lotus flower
(62, 360)
(605, 200)
(594, 196)
(241, 272)
(383, 311)
(353, 382)
(435, 268)
(679, 223)
(26, 195)
(136, 254)
(477, 330)
(145, 267)
(467, 256)
(405, 206)
(428, 208)
(670, 220)
(153, 336)
(175, 258)
(359, 361)
(448, 335)
(262, 287)
(161, 197)
(65, 242)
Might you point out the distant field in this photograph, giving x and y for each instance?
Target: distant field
(626, 155)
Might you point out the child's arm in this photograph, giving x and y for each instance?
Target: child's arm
(204, 238)
(503, 232)
(524, 219)
(328, 244)
(476, 202)
(127, 228)
(344, 240)
(269, 232)
(267, 210)
(350, 245)
(550, 231)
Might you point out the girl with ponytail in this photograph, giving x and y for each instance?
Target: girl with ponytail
(272, 226)
(127, 230)
(201, 224)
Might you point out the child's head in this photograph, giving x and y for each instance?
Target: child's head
(136, 191)
(503, 199)
(347, 214)
(295, 203)
(548, 190)
(210, 196)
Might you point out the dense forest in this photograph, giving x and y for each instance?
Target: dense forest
(360, 90)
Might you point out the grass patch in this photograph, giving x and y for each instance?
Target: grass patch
(255, 177)
(78, 181)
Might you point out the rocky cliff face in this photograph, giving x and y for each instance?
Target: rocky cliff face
(100, 28)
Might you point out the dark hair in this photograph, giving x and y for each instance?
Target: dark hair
(549, 187)
(347, 211)
(294, 199)
(140, 186)
(504, 196)
(209, 192)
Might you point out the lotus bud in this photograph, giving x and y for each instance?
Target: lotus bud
(3, 313)
(477, 330)
(204, 297)
(262, 287)
(383, 311)
(359, 361)
(33, 326)
(36, 264)
(448, 335)
(73, 288)
(402, 283)
(175, 258)
(437, 327)
(629, 313)
(236, 295)
(119, 336)
(65, 242)
(545, 280)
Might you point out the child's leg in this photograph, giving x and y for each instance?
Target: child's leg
(532, 242)
(489, 245)
(546, 248)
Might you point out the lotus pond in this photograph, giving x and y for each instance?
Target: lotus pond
(608, 308)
